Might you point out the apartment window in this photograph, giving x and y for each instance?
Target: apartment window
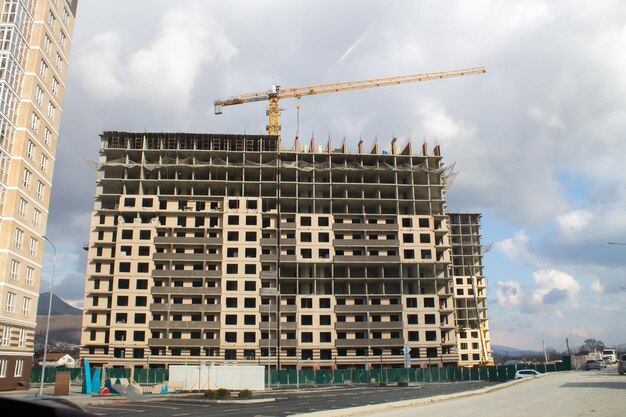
(249, 320)
(424, 223)
(36, 217)
(306, 320)
(30, 273)
(231, 285)
(32, 247)
(249, 337)
(409, 254)
(26, 306)
(21, 342)
(407, 237)
(250, 286)
(51, 110)
(232, 268)
(324, 237)
(43, 164)
(413, 319)
(26, 178)
(305, 237)
(322, 221)
(6, 336)
(231, 302)
(66, 15)
(232, 252)
(306, 253)
(46, 135)
(231, 319)
(19, 367)
(43, 69)
(250, 236)
(21, 208)
(62, 38)
(51, 19)
(305, 221)
(233, 220)
(232, 236)
(251, 220)
(424, 238)
(41, 189)
(411, 302)
(306, 303)
(38, 94)
(307, 337)
(55, 85)
(46, 43)
(250, 252)
(15, 269)
(427, 254)
(58, 62)
(3, 368)
(250, 269)
(19, 235)
(325, 320)
(230, 337)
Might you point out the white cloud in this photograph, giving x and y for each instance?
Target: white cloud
(508, 293)
(554, 287)
(162, 73)
(596, 286)
(439, 125)
(546, 119)
(574, 222)
(515, 247)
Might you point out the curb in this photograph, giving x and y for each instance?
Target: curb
(354, 411)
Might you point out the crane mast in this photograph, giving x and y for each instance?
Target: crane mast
(276, 93)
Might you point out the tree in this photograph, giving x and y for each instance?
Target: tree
(592, 345)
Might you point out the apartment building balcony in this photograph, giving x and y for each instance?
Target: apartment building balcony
(269, 274)
(288, 226)
(269, 258)
(175, 240)
(283, 343)
(187, 257)
(288, 258)
(341, 343)
(184, 342)
(185, 325)
(363, 325)
(365, 227)
(378, 243)
(185, 273)
(364, 308)
(266, 308)
(268, 241)
(186, 290)
(361, 259)
(192, 308)
(288, 326)
(291, 308)
(288, 241)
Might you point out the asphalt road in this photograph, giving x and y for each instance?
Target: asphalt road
(567, 394)
(286, 403)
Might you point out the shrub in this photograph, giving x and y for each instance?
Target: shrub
(210, 394)
(382, 384)
(223, 393)
(246, 393)
(403, 384)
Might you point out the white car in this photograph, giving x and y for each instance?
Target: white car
(525, 373)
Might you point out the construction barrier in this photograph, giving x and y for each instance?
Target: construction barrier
(337, 376)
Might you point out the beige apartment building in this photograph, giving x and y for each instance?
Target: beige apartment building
(226, 248)
(34, 53)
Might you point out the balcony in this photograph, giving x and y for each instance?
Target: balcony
(186, 290)
(190, 325)
(369, 342)
(363, 308)
(175, 240)
(372, 243)
(365, 226)
(283, 343)
(192, 308)
(374, 325)
(269, 258)
(187, 257)
(268, 241)
(185, 273)
(366, 259)
(184, 342)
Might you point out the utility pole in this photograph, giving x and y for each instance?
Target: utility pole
(545, 354)
(567, 344)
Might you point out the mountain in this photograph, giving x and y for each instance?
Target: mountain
(59, 307)
(64, 330)
(513, 352)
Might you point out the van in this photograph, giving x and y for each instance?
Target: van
(609, 356)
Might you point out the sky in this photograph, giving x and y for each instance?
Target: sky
(537, 141)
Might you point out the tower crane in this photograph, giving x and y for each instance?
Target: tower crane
(276, 93)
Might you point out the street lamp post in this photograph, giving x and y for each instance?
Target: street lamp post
(45, 345)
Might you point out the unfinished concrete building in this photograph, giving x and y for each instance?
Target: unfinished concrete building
(227, 248)
(470, 294)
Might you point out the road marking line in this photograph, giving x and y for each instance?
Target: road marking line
(118, 408)
(159, 406)
(182, 414)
